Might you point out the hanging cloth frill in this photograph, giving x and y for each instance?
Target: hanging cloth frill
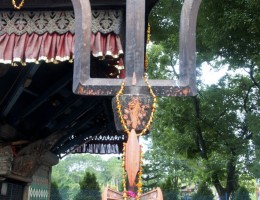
(48, 36)
(28, 48)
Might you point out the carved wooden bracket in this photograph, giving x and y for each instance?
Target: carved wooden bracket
(109, 194)
(33, 155)
(6, 158)
(27, 161)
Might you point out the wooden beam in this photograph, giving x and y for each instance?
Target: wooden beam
(83, 84)
(187, 43)
(135, 43)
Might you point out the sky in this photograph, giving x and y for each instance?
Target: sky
(210, 75)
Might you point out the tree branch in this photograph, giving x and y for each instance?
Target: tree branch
(173, 63)
(246, 99)
(231, 180)
(199, 138)
(251, 73)
(217, 184)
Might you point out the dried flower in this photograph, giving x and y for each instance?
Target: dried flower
(131, 194)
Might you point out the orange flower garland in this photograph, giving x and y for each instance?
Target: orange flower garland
(19, 6)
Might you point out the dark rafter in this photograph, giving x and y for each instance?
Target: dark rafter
(56, 4)
(68, 102)
(44, 97)
(87, 118)
(76, 113)
(26, 73)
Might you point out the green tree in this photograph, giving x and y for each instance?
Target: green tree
(208, 129)
(55, 193)
(71, 169)
(171, 166)
(253, 122)
(89, 188)
(170, 191)
(203, 193)
(241, 194)
(216, 128)
(225, 29)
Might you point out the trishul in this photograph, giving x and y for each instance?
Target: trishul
(133, 110)
(134, 53)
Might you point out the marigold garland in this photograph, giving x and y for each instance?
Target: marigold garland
(124, 173)
(126, 130)
(140, 173)
(19, 6)
(148, 33)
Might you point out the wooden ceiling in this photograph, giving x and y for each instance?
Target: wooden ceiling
(36, 100)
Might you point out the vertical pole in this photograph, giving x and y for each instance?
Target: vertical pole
(187, 43)
(11, 195)
(135, 34)
(83, 17)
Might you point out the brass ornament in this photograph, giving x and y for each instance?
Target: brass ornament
(120, 114)
(140, 173)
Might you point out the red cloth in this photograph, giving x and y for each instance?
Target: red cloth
(106, 45)
(53, 47)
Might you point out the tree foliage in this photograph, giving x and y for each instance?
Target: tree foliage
(226, 29)
(203, 193)
(241, 194)
(218, 130)
(70, 171)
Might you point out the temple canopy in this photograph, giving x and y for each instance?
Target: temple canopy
(45, 39)
(36, 100)
(40, 116)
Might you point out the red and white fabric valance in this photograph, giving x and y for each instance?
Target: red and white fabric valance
(53, 47)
